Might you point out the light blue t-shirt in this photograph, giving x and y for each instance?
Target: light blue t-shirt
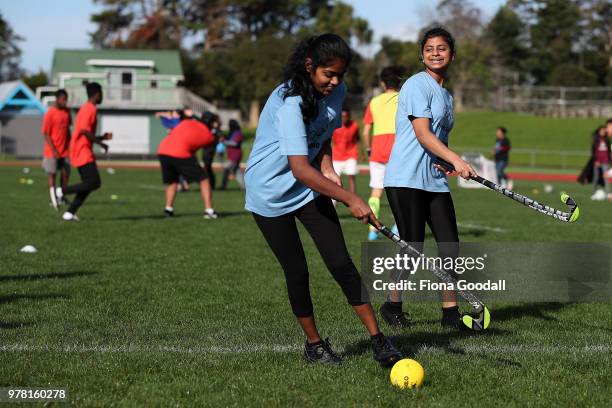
(271, 189)
(410, 165)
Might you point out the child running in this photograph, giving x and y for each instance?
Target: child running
(56, 131)
(379, 120)
(176, 155)
(81, 152)
(290, 176)
(416, 189)
(344, 148)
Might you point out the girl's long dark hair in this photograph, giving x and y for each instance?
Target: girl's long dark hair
(322, 50)
(233, 126)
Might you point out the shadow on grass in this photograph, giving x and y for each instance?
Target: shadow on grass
(14, 325)
(31, 296)
(176, 215)
(537, 310)
(411, 343)
(40, 276)
(26, 296)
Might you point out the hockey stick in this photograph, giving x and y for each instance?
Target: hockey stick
(481, 318)
(571, 216)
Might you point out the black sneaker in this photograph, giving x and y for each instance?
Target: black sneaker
(321, 352)
(453, 321)
(169, 213)
(384, 352)
(400, 320)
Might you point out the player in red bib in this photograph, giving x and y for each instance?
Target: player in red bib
(344, 148)
(176, 155)
(81, 152)
(56, 131)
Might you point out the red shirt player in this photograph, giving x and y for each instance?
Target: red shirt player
(81, 152)
(176, 155)
(344, 148)
(56, 131)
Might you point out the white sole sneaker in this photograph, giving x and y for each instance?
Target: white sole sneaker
(211, 216)
(70, 217)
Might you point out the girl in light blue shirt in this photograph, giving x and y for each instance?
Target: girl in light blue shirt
(416, 188)
(290, 176)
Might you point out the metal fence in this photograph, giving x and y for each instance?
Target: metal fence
(542, 100)
(566, 159)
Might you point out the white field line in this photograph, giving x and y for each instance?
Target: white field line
(279, 348)
(478, 226)
(151, 187)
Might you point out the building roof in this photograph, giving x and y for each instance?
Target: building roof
(16, 97)
(165, 62)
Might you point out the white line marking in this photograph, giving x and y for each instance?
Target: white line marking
(132, 348)
(280, 348)
(151, 187)
(478, 226)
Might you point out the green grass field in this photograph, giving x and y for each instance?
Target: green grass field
(475, 131)
(127, 308)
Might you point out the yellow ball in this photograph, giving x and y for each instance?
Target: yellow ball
(407, 373)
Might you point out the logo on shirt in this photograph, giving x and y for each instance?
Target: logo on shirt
(314, 145)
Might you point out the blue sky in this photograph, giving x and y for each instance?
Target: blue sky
(65, 23)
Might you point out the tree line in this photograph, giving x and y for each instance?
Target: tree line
(233, 51)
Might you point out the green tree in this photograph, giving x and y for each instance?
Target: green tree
(138, 24)
(566, 36)
(35, 80)
(110, 26)
(10, 53)
(553, 39)
(339, 18)
(461, 17)
(506, 33)
(596, 45)
(238, 48)
(403, 53)
(471, 72)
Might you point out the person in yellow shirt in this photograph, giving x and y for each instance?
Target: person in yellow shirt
(379, 134)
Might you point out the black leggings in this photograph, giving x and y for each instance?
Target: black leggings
(412, 208)
(90, 181)
(321, 221)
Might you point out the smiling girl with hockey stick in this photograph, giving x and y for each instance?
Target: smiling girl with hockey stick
(417, 189)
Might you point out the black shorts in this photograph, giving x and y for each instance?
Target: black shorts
(173, 167)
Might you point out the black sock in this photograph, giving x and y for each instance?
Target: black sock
(450, 313)
(314, 344)
(377, 336)
(394, 307)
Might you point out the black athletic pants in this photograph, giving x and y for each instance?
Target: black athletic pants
(413, 208)
(208, 156)
(90, 181)
(321, 221)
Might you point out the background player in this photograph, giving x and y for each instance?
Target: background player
(344, 148)
(176, 155)
(56, 131)
(81, 152)
(379, 135)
